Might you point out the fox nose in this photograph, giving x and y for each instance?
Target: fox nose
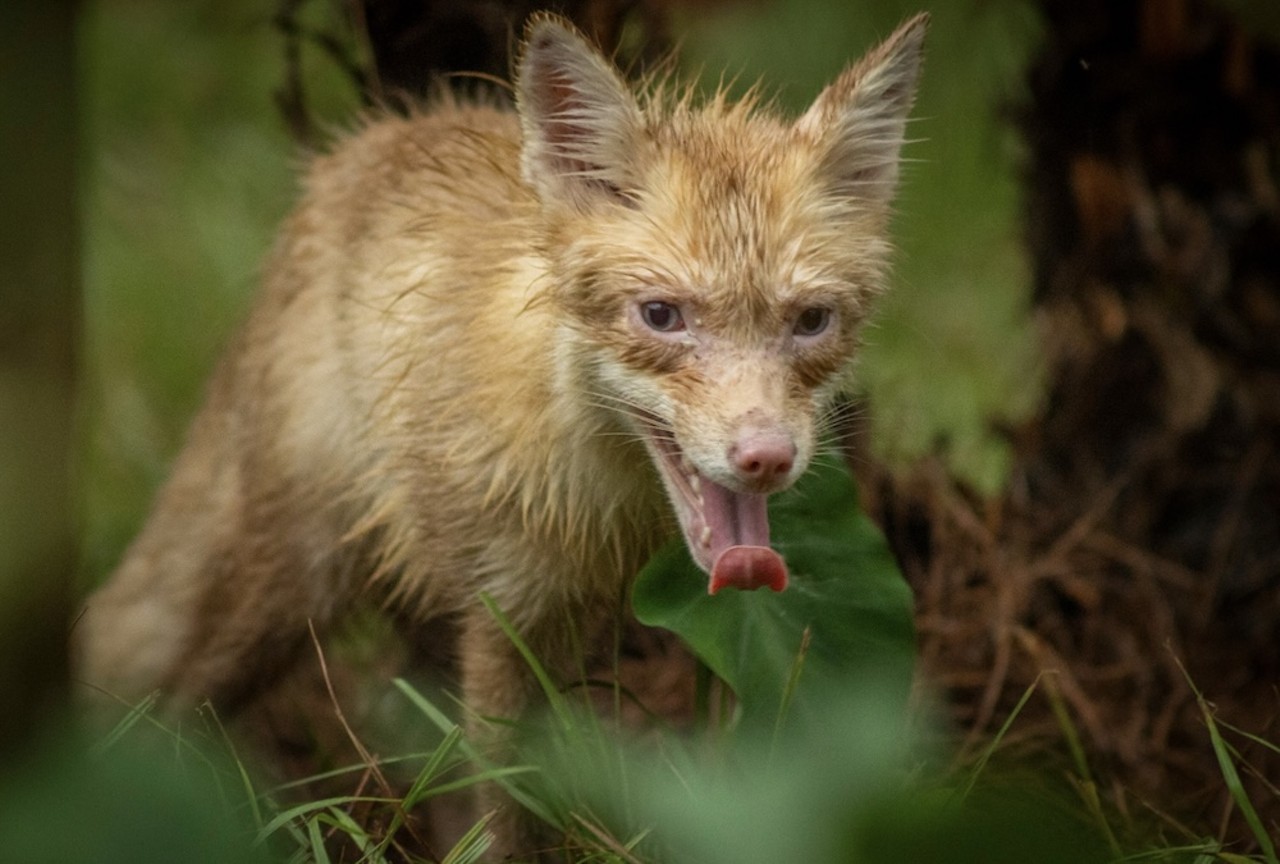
(763, 457)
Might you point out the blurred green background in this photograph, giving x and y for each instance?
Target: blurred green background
(187, 168)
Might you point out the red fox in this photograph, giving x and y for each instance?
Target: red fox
(511, 352)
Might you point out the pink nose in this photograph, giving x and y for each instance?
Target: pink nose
(763, 456)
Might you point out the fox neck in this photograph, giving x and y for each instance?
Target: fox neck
(584, 481)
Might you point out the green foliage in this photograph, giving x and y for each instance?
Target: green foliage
(822, 764)
(65, 803)
(854, 789)
(845, 618)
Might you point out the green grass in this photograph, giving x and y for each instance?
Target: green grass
(865, 787)
(864, 778)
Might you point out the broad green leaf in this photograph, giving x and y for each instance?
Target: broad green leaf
(845, 590)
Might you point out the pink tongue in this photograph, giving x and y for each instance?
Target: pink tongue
(748, 568)
(739, 544)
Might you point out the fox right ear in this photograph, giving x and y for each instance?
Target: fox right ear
(579, 120)
(860, 119)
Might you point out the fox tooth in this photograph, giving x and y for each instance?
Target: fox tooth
(695, 483)
(705, 538)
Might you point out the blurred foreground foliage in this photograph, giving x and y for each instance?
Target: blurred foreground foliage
(818, 757)
(69, 801)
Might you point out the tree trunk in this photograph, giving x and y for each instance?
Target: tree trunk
(1140, 534)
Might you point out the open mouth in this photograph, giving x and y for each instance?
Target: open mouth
(727, 532)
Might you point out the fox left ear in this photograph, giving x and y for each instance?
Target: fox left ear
(580, 122)
(860, 119)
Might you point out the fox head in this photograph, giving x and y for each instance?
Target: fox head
(711, 265)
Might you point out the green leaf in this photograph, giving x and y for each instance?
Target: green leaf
(845, 589)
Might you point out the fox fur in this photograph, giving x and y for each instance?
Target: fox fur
(512, 352)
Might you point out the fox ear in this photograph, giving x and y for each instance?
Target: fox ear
(580, 122)
(860, 119)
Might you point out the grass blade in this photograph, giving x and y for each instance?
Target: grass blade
(1256, 739)
(789, 690)
(343, 821)
(1235, 786)
(434, 767)
(286, 816)
(472, 845)
(1085, 786)
(1230, 775)
(489, 772)
(317, 842)
(548, 686)
(990, 749)
(136, 713)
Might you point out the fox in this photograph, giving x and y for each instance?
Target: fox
(503, 353)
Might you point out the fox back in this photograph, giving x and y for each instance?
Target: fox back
(511, 352)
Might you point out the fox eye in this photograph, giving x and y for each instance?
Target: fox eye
(662, 316)
(812, 321)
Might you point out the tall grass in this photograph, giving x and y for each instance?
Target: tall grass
(865, 786)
